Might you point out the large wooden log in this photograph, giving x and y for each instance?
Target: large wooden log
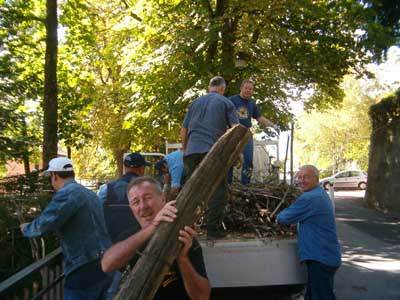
(144, 279)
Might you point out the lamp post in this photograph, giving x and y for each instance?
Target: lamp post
(241, 60)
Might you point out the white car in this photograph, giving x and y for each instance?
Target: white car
(346, 179)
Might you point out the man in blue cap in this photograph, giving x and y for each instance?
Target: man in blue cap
(117, 214)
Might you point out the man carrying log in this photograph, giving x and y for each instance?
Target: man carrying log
(207, 119)
(187, 278)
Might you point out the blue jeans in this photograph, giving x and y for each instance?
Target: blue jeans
(247, 168)
(320, 281)
(114, 285)
(88, 282)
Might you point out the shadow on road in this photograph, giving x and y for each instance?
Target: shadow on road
(370, 243)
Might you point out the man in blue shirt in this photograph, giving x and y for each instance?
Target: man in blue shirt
(117, 214)
(171, 169)
(206, 120)
(247, 109)
(76, 215)
(318, 242)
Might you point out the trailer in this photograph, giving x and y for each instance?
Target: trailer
(235, 261)
(252, 263)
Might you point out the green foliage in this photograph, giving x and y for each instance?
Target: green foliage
(339, 138)
(386, 111)
(19, 77)
(128, 69)
(26, 196)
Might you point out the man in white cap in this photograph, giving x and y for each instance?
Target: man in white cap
(76, 215)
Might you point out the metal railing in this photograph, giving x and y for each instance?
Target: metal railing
(43, 280)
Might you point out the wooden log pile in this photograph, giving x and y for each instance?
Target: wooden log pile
(252, 210)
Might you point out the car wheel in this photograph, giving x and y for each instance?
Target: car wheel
(326, 185)
(362, 185)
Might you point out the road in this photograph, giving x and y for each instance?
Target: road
(370, 243)
(370, 248)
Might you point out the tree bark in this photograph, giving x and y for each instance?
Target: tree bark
(146, 276)
(50, 104)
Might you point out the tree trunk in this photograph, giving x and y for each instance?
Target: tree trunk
(145, 278)
(25, 155)
(50, 106)
(118, 156)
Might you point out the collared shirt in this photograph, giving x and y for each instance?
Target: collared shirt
(317, 236)
(245, 109)
(76, 215)
(175, 166)
(207, 120)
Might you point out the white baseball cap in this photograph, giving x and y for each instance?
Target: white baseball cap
(59, 164)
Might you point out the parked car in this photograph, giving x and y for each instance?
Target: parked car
(346, 179)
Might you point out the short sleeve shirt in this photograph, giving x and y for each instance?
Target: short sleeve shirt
(172, 286)
(207, 120)
(245, 109)
(175, 167)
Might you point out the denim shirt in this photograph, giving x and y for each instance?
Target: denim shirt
(76, 215)
(317, 236)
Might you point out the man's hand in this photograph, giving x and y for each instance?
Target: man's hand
(276, 128)
(166, 214)
(186, 236)
(167, 178)
(22, 226)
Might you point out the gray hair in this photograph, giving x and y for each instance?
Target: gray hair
(140, 180)
(217, 81)
(312, 168)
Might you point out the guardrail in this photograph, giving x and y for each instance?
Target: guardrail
(43, 280)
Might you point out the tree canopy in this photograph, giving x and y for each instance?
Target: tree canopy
(339, 137)
(128, 69)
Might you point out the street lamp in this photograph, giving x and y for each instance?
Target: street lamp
(241, 60)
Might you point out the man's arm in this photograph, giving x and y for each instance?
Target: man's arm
(184, 132)
(297, 212)
(57, 212)
(102, 193)
(267, 123)
(197, 286)
(119, 254)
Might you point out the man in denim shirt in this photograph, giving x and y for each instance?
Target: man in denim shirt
(318, 243)
(76, 215)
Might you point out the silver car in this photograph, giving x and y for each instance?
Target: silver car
(346, 179)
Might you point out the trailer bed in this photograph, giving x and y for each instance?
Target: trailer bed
(249, 263)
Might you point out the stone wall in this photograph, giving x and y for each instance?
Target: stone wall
(383, 188)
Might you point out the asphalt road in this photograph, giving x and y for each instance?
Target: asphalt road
(370, 243)
(370, 249)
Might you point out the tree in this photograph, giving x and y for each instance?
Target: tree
(20, 35)
(339, 138)
(50, 101)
